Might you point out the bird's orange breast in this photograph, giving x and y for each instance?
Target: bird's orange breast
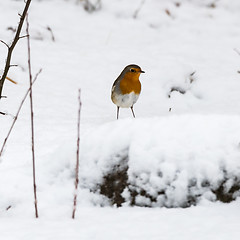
(130, 83)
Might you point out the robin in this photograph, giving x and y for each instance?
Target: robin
(127, 87)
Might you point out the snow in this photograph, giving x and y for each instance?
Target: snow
(107, 223)
(176, 155)
(199, 137)
(135, 223)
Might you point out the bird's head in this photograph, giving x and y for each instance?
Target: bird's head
(133, 71)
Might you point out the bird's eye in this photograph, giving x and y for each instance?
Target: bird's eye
(132, 70)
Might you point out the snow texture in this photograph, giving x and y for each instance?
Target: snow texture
(170, 161)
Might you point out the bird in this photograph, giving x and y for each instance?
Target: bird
(127, 88)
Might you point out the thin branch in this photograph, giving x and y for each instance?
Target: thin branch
(25, 36)
(8, 207)
(18, 111)
(5, 44)
(191, 77)
(11, 29)
(139, 9)
(9, 79)
(51, 32)
(7, 114)
(13, 65)
(77, 160)
(12, 46)
(32, 118)
(168, 12)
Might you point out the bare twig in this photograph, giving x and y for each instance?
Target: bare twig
(139, 9)
(12, 46)
(9, 79)
(191, 77)
(25, 36)
(4, 43)
(18, 111)
(32, 118)
(77, 160)
(177, 89)
(168, 12)
(13, 65)
(12, 29)
(8, 207)
(51, 32)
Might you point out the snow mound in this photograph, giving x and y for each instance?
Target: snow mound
(172, 161)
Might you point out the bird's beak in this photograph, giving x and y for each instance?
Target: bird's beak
(141, 71)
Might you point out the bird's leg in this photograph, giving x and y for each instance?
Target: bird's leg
(132, 111)
(117, 111)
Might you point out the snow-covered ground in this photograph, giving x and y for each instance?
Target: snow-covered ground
(201, 133)
(174, 161)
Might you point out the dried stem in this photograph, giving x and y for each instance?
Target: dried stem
(51, 32)
(139, 9)
(32, 118)
(77, 160)
(12, 46)
(16, 117)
